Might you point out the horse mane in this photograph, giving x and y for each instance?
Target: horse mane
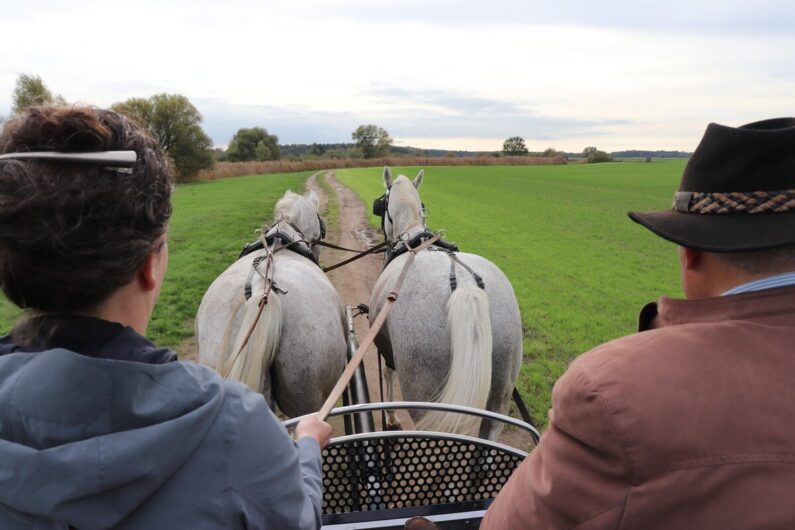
(287, 208)
(403, 191)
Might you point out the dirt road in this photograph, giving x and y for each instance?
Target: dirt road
(354, 282)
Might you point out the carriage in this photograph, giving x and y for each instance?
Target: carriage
(379, 479)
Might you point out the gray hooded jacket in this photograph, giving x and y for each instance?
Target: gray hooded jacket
(119, 436)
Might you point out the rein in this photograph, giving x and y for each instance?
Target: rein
(269, 285)
(261, 243)
(372, 250)
(375, 327)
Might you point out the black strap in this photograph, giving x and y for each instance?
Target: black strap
(453, 281)
(372, 250)
(379, 247)
(401, 248)
(517, 398)
(287, 242)
(254, 265)
(251, 247)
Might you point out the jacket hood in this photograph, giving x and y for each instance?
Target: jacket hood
(85, 439)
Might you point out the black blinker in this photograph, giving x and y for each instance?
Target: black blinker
(379, 206)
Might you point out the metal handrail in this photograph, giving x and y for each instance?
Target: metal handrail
(422, 405)
(342, 440)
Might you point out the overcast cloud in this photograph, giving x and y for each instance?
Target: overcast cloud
(449, 74)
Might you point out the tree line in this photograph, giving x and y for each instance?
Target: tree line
(176, 123)
(515, 146)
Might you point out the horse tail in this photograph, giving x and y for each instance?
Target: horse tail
(469, 379)
(255, 344)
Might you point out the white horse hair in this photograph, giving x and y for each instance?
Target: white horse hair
(296, 348)
(469, 325)
(462, 347)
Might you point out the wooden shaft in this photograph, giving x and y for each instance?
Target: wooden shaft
(375, 327)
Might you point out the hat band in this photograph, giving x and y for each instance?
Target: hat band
(736, 202)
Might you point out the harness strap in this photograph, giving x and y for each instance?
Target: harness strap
(371, 250)
(375, 327)
(268, 277)
(255, 268)
(287, 242)
(254, 265)
(453, 281)
(517, 398)
(403, 246)
(346, 249)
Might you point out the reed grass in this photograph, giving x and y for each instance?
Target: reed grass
(236, 169)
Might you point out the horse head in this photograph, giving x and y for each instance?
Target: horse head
(400, 208)
(300, 212)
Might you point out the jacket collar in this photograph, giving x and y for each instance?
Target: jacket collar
(94, 338)
(670, 312)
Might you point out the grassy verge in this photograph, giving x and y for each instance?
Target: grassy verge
(580, 268)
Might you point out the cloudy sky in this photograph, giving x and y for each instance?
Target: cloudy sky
(457, 74)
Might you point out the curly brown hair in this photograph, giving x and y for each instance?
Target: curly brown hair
(73, 233)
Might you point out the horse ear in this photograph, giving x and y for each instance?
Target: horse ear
(387, 177)
(314, 198)
(418, 179)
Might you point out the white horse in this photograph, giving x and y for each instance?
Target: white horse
(293, 348)
(461, 346)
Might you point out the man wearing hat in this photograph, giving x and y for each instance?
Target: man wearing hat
(689, 423)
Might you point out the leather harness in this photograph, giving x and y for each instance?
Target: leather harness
(381, 209)
(276, 240)
(286, 240)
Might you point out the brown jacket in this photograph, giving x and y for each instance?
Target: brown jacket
(691, 425)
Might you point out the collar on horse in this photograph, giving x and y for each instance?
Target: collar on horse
(451, 249)
(381, 209)
(400, 247)
(275, 234)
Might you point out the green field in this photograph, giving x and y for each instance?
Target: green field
(210, 224)
(580, 268)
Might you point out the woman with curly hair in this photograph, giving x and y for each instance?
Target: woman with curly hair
(100, 428)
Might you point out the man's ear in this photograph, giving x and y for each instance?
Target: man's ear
(691, 258)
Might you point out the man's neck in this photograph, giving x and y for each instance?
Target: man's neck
(708, 275)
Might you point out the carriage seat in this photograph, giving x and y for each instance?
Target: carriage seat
(381, 479)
